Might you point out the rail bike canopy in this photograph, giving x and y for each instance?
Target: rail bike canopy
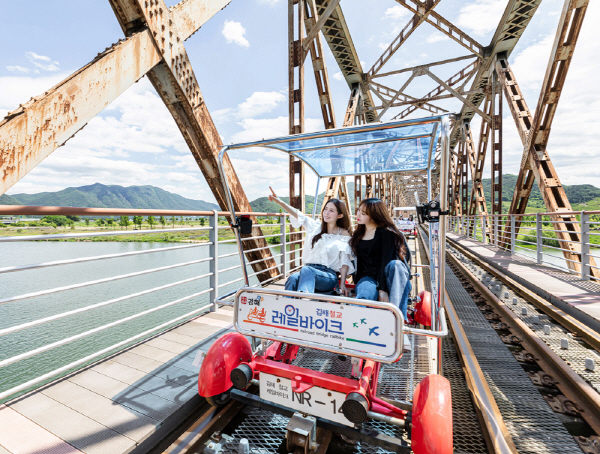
(391, 147)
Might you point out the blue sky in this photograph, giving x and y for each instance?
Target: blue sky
(240, 61)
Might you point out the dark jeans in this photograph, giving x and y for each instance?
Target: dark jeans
(312, 278)
(398, 282)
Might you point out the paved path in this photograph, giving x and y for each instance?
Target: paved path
(568, 288)
(118, 403)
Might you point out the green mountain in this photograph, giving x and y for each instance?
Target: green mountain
(577, 194)
(262, 204)
(102, 196)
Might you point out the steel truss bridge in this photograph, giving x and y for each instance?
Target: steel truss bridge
(153, 45)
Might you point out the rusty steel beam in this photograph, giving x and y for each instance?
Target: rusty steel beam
(443, 25)
(296, 29)
(399, 40)
(496, 146)
(420, 67)
(176, 84)
(456, 94)
(315, 47)
(316, 27)
(395, 95)
(336, 33)
(516, 17)
(462, 76)
(32, 132)
(478, 203)
(536, 163)
(190, 15)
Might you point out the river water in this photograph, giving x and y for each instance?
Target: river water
(18, 283)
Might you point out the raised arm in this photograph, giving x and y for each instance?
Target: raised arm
(273, 198)
(301, 219)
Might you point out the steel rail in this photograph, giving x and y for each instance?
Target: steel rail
(36, 351)
(11, 269)
(569, 382)
(98, 281)
(587, 333)
(496, 433)
(93, 356)
(41, 321)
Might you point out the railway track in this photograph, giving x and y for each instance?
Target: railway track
(505, 409)
(557, 352)
(220, 430)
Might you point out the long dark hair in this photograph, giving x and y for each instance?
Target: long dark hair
(376, 210)
(343, 222)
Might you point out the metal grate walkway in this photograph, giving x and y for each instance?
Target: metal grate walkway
(534, 427)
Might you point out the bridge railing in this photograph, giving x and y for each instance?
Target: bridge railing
(539, 237)
(91, 306)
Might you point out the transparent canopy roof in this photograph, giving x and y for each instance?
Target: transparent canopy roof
(373, 148)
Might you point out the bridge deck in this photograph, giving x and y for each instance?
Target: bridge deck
(121, 403)
(568, 291)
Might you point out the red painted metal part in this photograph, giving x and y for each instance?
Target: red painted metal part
(432, 416)
(422, 312)
(333, 382)
(228, 352)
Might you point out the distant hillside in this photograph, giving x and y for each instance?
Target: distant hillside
(577, 194)
(102, 196)
(262, 204)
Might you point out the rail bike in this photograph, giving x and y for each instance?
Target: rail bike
(274, 328)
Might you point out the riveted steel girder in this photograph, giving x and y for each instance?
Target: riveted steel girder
(30, 133)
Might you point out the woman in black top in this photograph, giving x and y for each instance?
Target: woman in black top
(383, 260)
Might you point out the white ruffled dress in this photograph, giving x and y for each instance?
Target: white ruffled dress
(332, 251)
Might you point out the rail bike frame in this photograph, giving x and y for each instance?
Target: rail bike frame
(250, 318)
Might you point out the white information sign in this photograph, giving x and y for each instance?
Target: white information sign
(358, 328)
(315, 401)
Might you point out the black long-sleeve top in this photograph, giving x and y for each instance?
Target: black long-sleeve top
(375, 254)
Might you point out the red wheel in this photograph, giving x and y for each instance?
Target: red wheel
(432, 417)
(423, 309)
(224, 355)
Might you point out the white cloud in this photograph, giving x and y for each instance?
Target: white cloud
(134, 141)
(265, 128)
(383, 46)
(338, 76)
(268, 2)
(259, 102)
(17, 69)
(35, 59)
(530, 64)
(481, 16)
(15, 90)
(436, 38)
(234, 33)
(34, 56)
(396, 12)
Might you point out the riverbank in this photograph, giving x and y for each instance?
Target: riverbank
(144, 236)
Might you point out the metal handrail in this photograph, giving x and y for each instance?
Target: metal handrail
(51, 318)
(63, 236)
(213, 287)
(11, 269)
(98, 281)
(29, 354)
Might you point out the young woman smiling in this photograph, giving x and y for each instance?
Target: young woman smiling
(382, 258)
(326, 250)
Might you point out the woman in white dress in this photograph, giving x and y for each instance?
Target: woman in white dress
(326, 249)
